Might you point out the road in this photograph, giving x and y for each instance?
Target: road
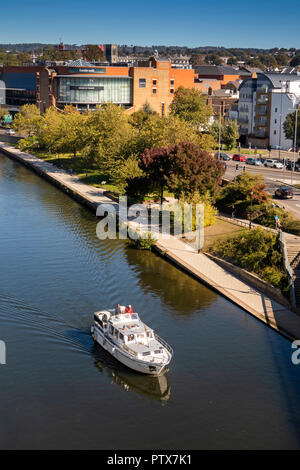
(274, 178)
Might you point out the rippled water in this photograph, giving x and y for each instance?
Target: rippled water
(231, 383)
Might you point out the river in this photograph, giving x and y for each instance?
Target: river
(231, 383)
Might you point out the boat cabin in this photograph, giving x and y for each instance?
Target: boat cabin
(128, 332)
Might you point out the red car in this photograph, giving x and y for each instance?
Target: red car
(239, 158)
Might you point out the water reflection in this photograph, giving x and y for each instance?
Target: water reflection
(156, 388)
(166, 281)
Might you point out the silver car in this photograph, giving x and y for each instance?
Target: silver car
(253, 161)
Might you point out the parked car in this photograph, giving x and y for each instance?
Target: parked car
(253, 161)
(239, 158)
(284, 192)
(10, 132)
(270, 163)
(223, 156)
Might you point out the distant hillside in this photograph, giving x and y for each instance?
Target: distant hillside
(26, 47)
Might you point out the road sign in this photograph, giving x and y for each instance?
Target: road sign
(7, 119)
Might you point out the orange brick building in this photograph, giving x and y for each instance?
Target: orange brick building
(85, 85)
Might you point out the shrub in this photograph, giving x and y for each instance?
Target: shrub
(29, 143)
(257, 251)
(142, 243)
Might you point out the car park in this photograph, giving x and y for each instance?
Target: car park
(284, 192)
(239, 158)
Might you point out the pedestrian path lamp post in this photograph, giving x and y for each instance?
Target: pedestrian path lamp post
(200, 235)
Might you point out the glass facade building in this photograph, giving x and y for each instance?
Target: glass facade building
(93, 90)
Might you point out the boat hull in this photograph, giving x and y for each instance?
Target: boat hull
(139, 366)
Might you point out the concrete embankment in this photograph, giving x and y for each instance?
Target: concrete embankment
(230, 285)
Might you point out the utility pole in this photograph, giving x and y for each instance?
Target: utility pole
(295, 144)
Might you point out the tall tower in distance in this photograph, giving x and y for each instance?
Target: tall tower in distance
(111, 52)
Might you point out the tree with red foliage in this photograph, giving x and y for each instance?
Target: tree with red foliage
(196, 170)
(183, 168)
(158, 165)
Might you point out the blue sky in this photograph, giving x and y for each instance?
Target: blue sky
(229, 23)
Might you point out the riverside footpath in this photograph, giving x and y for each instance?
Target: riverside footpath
(250, 298)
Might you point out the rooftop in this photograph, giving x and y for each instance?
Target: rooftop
(278, 79)
(215, 70)
(80, 63)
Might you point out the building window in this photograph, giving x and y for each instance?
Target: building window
(275, 121)
(172, 91)
(274, 132)
(154, 91)
(163, 109)
(142, 83)
(172, 82)
(154, 82)
(275, 110)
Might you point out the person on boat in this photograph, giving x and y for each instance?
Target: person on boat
(117, 309)
(128, 309)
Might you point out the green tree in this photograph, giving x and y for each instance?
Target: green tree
(213, 59)
(282, 59)
(159, 131)
(247, 194)
(3, 112)
(289, 127)
(229, 132)
(50, 130)
(28, 120)
(190, 106)
(109, 136)
(94, 53)
(295, 61)
(72, 136)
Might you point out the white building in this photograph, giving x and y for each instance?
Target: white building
(283, 102)
(264, 103)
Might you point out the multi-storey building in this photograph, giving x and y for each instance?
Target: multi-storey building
(264, 103)
(85, 85)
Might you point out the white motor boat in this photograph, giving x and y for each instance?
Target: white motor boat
(131, 342)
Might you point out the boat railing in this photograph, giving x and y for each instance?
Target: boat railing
(164, 343)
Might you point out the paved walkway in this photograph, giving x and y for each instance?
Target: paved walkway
(93, 195)
(250, 299)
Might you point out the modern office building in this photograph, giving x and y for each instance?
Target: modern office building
(264, 103)
(85, 85)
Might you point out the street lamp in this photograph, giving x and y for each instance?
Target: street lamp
(284, 84)
(295, 141)
(251, 195)
(219, 143)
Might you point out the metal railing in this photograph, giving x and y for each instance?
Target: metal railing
(288, 269)
(245, 223)
(164, 343)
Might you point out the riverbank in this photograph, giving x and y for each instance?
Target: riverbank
(249, 298)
